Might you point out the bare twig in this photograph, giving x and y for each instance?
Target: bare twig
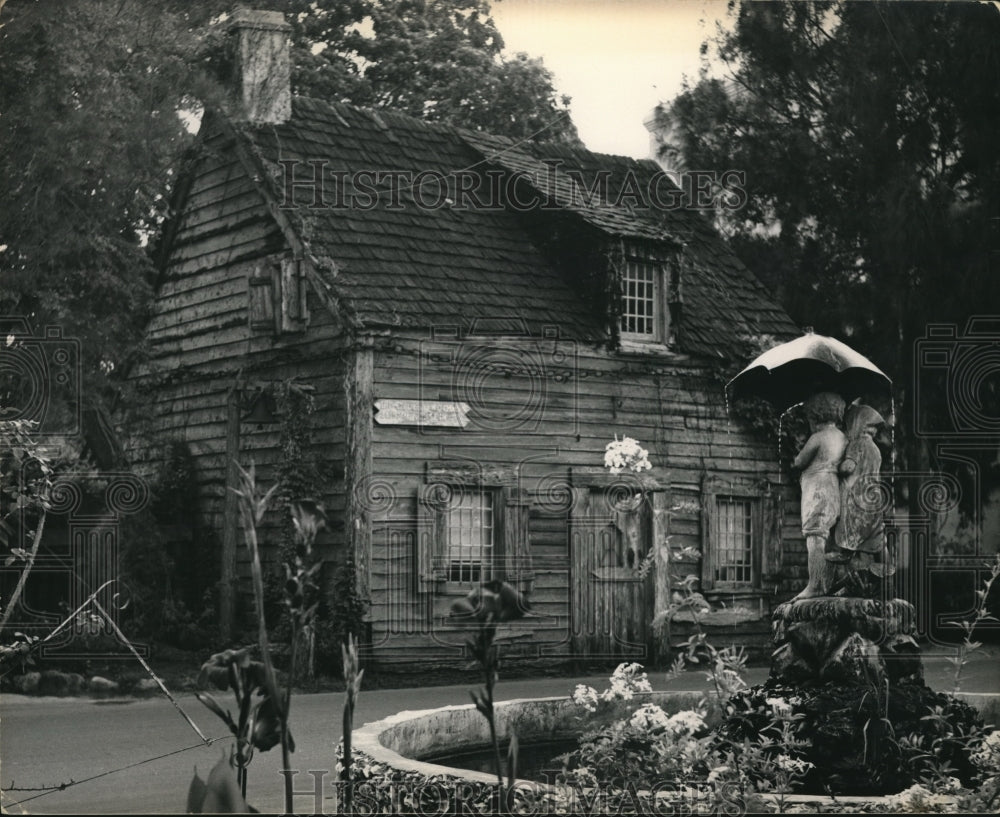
(149, 669)
(23, 578)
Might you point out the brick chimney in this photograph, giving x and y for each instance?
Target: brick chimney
(263, 68)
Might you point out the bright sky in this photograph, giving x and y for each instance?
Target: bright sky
(616, 58)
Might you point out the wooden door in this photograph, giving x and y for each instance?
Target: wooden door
(611, 601)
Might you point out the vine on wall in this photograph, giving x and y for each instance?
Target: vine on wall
(298, 481)
(612, 294)
(301, 478)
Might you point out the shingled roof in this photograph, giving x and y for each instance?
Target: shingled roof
(397, 263)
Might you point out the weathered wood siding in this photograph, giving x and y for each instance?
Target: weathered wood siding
(563, 403)
(200, 344)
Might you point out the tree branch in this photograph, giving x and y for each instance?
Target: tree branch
(22, 580)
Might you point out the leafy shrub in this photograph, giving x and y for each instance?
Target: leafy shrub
(345, 611)
(863, 744)
(169, 569)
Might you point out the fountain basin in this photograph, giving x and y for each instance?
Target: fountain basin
(402, 740)
(392, 773)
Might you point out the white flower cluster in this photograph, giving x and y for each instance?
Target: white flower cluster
(650, 717)
(586, 697)
(717, 773)
(627, 680)
(780, 708)
(625, 454)
(987, 756)
(921, 800)
(792, 765)
(686, 723)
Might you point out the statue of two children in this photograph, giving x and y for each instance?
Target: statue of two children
(842, 511)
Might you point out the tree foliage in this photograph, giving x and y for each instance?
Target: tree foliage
(868, 135)
(90, 93)
(438, 60)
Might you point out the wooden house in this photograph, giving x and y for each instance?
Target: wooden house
(477, 318)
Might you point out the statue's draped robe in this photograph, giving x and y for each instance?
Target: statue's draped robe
(820, 486)
(861, 527)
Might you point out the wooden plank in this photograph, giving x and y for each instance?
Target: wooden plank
(238, 200)
(661, 501)
(184, 333)
(222, 224)
(189, 308)
(358, 462)
(224, 250)
(227, 590)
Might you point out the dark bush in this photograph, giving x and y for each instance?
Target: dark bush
(863, 740)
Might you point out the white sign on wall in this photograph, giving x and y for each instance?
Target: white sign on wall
(442, 413)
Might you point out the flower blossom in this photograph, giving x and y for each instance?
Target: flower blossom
(716, 773)
(792, 765)
(987, 756)
(586, 697)
(686, 722)
(625, 454)
(650, 717)
(918, 799)
(781, 708)
(625, 682)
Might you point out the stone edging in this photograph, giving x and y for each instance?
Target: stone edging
(382, 742)
(534, 719)
(57, 683)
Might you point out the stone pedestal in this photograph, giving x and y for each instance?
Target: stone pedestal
(851, 640)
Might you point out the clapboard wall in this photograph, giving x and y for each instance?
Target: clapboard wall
(545, 407)
(201, 345)
(564, 401)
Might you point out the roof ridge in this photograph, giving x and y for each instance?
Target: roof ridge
(377, 115)
(433, 263)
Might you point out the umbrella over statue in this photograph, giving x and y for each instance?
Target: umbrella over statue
(790, 373)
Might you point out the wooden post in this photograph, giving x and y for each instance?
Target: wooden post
(661, 572)
(227, 584)
(358, 463)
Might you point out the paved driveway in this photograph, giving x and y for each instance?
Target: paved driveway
(50, 741)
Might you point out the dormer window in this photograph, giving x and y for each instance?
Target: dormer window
(650, 306)
(642, 301)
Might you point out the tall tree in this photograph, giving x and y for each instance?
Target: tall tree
(91, 139)
(89, 95)
(438, 60)
(867, 132)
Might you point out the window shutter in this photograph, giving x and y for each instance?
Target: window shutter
(293, 295)
(709, 532)
(517, 566)
(675, 297)
(430, 537)
(660, 548)
(771, 523)
(261, 301)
